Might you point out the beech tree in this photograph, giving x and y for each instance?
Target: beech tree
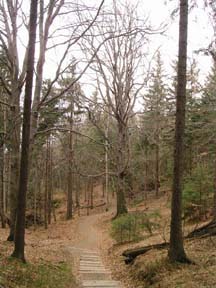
(4, 134)
(53, 19)
(116, 66)
(10, 20)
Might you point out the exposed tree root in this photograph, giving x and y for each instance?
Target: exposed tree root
(183, 259)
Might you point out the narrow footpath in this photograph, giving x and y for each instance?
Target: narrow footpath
(93, 273)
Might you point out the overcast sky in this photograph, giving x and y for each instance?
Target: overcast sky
(199, 36)
(200, 32)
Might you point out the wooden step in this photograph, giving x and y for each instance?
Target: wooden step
(90, 259)
(91, 266)
(90, 256)
(95, 272)
(90, 262)
(101, 284)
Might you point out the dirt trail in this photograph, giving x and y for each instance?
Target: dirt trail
(89, 235)
(91, 270)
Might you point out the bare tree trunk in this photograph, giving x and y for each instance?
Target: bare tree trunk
(88, 195)
(91, 193)
(49, 192)
(52, 207)
(46, 186)
(15, 157)
(214, 197)
(44, 27)
(86, 190)
(7, 177)
(70, 165)
(9, 13)
(2, 162)
(35, 201)
(121, 167)
(176, 249)
(40, 205)
(6, 165)
(103, 188)
(107, 163)
(2, 186)
(39, 74)
(78, 191)
(157, 181)
(121, 204)
(146, 176)
(23, 181)
(69, 191)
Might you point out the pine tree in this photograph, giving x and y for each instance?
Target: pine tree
(176, 249)
(155, 115)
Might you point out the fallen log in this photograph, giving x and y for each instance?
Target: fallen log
(131, 254)
(206, 230)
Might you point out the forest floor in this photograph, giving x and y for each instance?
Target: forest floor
(53, 254)
(48, 262)
(153, 269)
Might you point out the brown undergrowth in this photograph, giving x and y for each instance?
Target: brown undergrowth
(153, 269)
(48, 262)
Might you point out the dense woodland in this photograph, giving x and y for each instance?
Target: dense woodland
(142, 128)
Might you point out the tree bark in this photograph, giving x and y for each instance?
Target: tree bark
(23, 179)
(2, 216)
(70, 164)
(10, 25)
(78, 191)
(106, 185)
(176, 249)
(214, 196)
(49, 192)
(15, 154)
(122, 169)
(157, 175)
(91, 193)
(46, 186)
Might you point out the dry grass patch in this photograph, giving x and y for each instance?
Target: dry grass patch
(154, 270)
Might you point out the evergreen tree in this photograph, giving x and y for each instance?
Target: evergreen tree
(176, 249)
(155, 115)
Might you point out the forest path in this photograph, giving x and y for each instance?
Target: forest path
(93, 273)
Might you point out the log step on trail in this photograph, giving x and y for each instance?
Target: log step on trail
(93, 272)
